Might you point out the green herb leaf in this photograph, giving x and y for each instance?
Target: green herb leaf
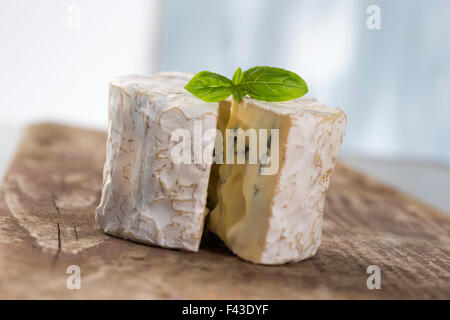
(238, 93)
(237, 77)
(261, 83)
(210, 87)
(273, 84)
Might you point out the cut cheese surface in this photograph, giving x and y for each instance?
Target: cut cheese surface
(277, 218)
(147, 197)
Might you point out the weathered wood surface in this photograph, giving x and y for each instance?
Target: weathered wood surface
(47, 223)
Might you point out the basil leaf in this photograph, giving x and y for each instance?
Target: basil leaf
(273, 84)
(210, 87)
(261, 83)
(237, 77)
(238, 93)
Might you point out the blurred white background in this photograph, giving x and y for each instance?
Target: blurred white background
(57, 56)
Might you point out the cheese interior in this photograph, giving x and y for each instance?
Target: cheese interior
(222, 120)
(276, 218)
(240, 216)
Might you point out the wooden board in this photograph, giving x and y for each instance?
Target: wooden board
(47, 224)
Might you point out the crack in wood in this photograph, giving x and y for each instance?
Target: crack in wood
(58, 251)
(58, 226)
(54, 204)
(76, 233)
(59, 239)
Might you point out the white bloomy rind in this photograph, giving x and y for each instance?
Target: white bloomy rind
(145, 196)
(313, 144)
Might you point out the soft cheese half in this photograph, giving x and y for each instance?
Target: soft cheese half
(277, 218)
(146, 197)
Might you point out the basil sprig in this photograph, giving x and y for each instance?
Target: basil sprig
(260, 83)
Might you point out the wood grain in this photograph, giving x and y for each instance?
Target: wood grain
(47, 223)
